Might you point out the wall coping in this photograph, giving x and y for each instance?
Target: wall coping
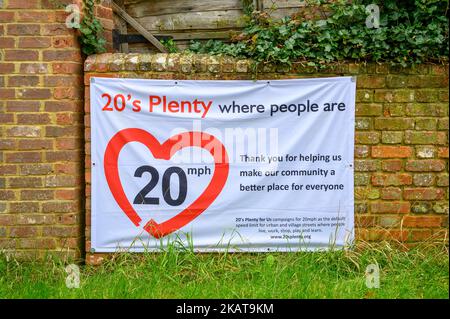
(187, 63)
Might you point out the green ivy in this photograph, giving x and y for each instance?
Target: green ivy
(410, 32)
(170, 45)
(91, 30)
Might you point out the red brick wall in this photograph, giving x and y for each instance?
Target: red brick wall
(401, 140)
(41, 130)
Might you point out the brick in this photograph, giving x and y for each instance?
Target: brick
(62, 55)
(363, 123)
(35, 16)
(6, 68)
(60, 231)
(22, 106)
(37, 119)
(7, 219)
(23, 29)
(426, 95)
(420, 235)
(7, 93)
(103, 12)
(24, 131)
(23, 157)
(365, 81)
(69, 143)
(66, 194)
(52, 29)
(36, 169)
(387, 235)
(60, 181)
(391, 137)
(58, 207)
(390, 207)
(63, 106)
(7, 144)
(33, 68)
(37, 243)
(421, 221)
(365, 221)
(391, 193)
(23, 231)
(360, 208)
(34, 93)
(389, 221)
(414, 137)
(6, 16)
(62, 131)
(362, 151)
(440, 208)
(425, 151)
(423, 179)
(426, 124)
(67, 93)
(23, 4)
(24, 207)
(391, 179)
(425, 109)
(20, 80)
(7, 42)
(34, 42)
(397, 81)
(7, 195)
(443, 152)
(61, 156)
(361, 179)
(368, 109)
(423, 193)
(442, 180)
(393, 124)
(394, 95)
(67, 68)
(443, 124)
(367, 137)
(64, 42)
(8, 170)
(391, 151)
(25, 182)
(37, 194)
(68, 168)
(6, 118)
(394, 109)
(35, 144)
(68, 119)
(36, 219)
(421, 207)
(367, 165)
(425, 165)
(67, 80)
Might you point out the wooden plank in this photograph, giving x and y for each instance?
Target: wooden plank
(144, 8)
(122, 27)
(279, 4)
(196, 34)
(135, 24)
(194, 20)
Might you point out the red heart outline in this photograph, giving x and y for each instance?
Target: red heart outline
(166, 151)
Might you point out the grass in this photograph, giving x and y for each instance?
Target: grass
(421, 272)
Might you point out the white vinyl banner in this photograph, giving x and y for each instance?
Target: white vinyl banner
(222, 165)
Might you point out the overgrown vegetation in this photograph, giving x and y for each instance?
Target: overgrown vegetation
(410, 32)
(91, 30)
(422, 272)
(170, 45)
